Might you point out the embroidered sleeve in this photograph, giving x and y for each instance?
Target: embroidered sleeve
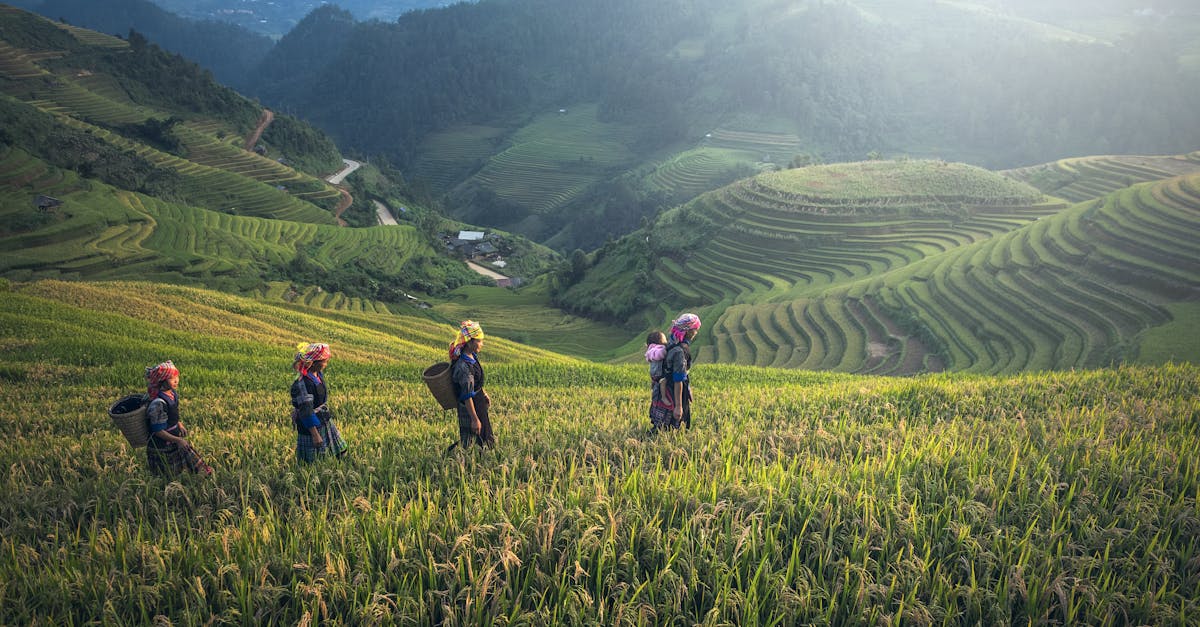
(464, 380)
(676, 363)
(156, 415)
(302, 400)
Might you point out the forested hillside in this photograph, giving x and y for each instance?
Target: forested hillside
(118, 160)
(228, 51)
(670, 98)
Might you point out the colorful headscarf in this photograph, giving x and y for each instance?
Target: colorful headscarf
(307, 354)
(467, 330)
(683, 324)
(155, 375)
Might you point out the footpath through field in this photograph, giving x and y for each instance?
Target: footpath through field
(263, 122)
(484, 271)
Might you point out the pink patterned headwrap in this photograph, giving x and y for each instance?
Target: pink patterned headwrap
(308, 353)
(155, 375)
(683, 324)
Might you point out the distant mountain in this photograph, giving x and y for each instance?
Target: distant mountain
(276, 18)
(570, 121)
(227, 50)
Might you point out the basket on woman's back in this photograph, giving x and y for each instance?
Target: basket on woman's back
(129, 414)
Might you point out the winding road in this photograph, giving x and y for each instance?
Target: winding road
(351, 166)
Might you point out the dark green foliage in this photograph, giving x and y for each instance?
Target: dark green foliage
(156, 78)
(284, 74)
(305, 147)
(90, 156)
(227, 50)
(155, 132)
(359, 278)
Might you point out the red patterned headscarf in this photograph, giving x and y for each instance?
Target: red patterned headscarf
(683, 324)
(467, 330)
(307, 354)
(155, 375)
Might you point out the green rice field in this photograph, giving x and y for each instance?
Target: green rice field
(797, 498)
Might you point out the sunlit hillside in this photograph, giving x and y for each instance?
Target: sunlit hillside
(911, 266)
(797, 498)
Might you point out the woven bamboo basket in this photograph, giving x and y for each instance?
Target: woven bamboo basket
(437, 378)
(129, 414)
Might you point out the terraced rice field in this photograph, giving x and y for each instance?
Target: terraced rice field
(553, 160)
(797, 498)
(1088, 178)
(696, 171)
(774, 147)
(451, 155)
(205, 148)
(107, 233)
(778, 238)
(1073, 290)
(21, 172)
(218, 175)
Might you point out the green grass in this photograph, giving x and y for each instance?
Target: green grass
(1176, 340)
(105, 233)
(798, 498)
(528, 317)
(552, 160)
(979, 273)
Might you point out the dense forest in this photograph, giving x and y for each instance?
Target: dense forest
(850, 84)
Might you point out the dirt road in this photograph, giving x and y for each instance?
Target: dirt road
(263, 122)
(484, 271)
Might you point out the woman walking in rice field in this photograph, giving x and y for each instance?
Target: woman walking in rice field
(316, 435)
(676, 365)
(474, 425)
(168, 452)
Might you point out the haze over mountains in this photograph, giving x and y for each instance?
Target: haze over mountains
(691, 170)
(565, 121)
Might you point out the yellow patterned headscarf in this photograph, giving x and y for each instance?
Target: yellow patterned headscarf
(467, 330)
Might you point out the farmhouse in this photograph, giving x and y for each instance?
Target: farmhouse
(46, 203)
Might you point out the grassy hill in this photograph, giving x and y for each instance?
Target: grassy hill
(67, 85)
(798, 498)
(902, 267)
(101, 232)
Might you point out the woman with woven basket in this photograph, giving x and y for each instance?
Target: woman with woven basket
(168, 452)
(316, 435)
(474, 426)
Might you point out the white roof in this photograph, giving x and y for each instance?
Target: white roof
(500, 263)
(470, 236)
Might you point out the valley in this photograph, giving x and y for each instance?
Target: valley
(925, 391)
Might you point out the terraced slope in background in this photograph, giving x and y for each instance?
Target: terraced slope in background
(792, 233)
(217, 173)
(1079, 289)
(554, 159)
(1087, 178)
(100, 232)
